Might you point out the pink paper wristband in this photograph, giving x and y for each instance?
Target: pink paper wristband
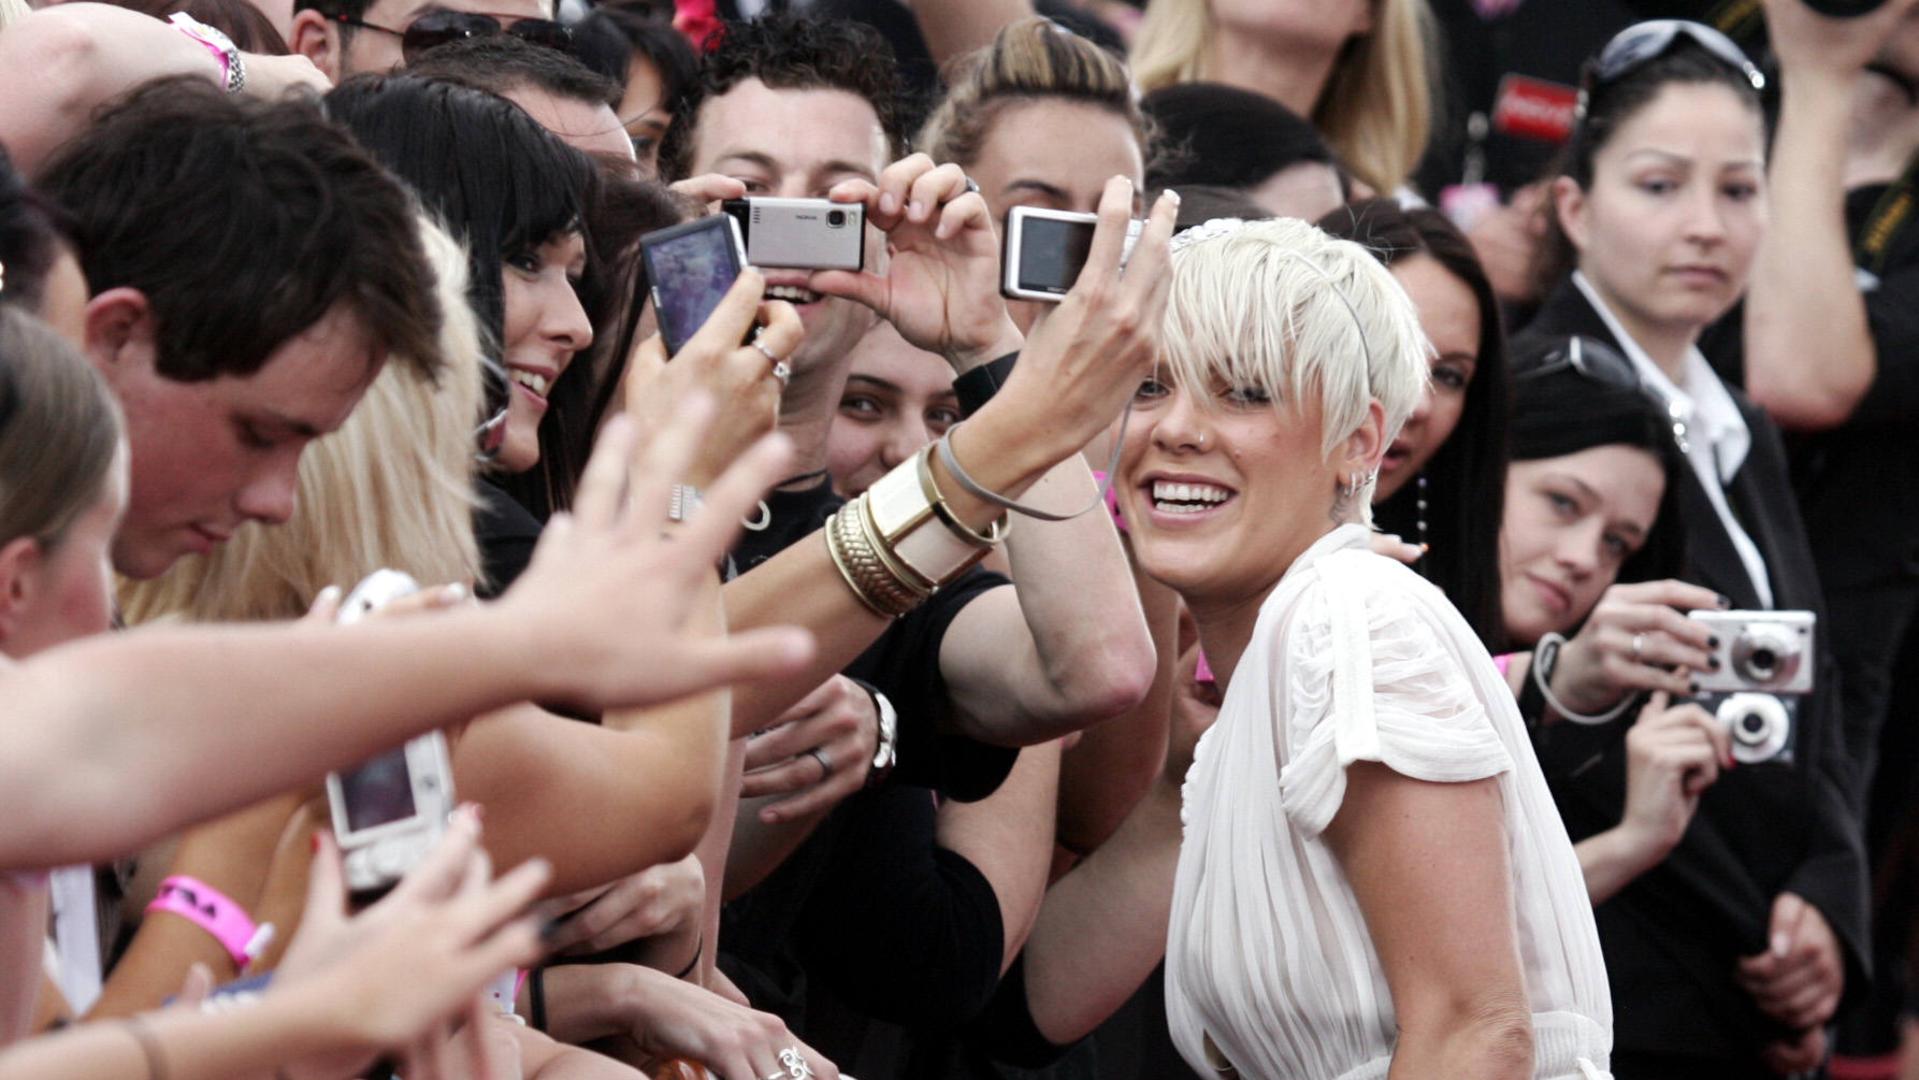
(1503, 661)
(213, 911)
(1112, 502)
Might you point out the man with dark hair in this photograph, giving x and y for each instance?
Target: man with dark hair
(241, 304)
(347, 37)
(564, 95)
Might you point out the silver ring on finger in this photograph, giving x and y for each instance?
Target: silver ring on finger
(972, 186)
(1638, 647)
(826, 765)
(795, 1062)
(782, 371)
(771, 356)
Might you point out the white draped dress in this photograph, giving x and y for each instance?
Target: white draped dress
(1355, 658)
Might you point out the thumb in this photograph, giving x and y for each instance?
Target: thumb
(1787, 913)
(863, 287)
(196, 986)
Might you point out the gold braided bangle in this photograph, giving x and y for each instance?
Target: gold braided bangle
(859, 563)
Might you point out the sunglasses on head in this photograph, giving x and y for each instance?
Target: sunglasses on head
(1640, 44)
(436, 28)
(1602, 364)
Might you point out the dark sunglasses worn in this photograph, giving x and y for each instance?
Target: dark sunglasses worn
(436, 28)
(1642, 43)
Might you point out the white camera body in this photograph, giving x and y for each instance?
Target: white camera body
(1046, 249)
(390, 811)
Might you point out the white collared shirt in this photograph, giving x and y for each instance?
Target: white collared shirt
(1716, 440)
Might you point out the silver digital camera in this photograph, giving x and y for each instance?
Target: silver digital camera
(389, 812)
(1046, 249)
(801, 234)
(1766, 662)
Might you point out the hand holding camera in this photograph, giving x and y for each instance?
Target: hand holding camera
(940, 283)
(713, 361)
(1673, 754)
(1634, 641)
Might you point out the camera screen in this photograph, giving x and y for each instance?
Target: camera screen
(379, 792)
(1052, 253)
(693, 273)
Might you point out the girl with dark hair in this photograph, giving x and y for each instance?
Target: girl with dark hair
(1223, 136)
(38, 266)
(1440, 481)
(650, 60)
(1755, 925)
(1589, 546)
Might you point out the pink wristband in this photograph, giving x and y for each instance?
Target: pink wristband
(1503, 662)
(216, 913)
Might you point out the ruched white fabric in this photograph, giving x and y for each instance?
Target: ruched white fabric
(1355, 658)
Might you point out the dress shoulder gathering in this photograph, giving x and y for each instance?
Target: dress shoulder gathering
(1269, 965)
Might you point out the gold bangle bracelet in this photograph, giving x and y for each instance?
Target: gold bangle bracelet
(898, 583)
(912, 579)
(930, 486)
(859, 564)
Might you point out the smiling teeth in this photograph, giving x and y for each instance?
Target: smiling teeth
(533, 382)
(1165, 492)
(791, 293)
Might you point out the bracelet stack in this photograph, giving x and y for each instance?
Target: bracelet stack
(899, 543)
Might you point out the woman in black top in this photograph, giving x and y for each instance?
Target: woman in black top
(1727, 959)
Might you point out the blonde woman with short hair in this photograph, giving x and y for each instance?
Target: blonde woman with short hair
(1373, 880)
(1360, 70)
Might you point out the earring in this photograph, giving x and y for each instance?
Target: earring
(1420, 505)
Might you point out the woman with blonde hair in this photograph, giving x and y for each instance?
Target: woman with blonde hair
(1360, 70)
(1372, 879)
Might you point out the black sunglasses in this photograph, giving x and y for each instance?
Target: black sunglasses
(436, 28)
(1642, 43)
(1603, 364)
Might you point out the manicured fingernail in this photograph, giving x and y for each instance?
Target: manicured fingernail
(315, 838)
(1725, 602)
(1713, 642)
(1712, 662)
(1695, 686)
(1170, 195)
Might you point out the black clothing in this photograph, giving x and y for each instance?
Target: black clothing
(868, 904)
(507, 533)
(1673, 937)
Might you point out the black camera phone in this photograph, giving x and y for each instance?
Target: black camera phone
(689, 268)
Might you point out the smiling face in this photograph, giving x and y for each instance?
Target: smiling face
(797, 144)
(1222, 490)
(1571, 522)
(897, 399)
(544, 327)
(1675, 211)
(210, 456)
(1449, 313)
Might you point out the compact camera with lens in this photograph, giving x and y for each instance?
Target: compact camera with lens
(1046, 249)
(389, 812)
(801, 234)
(1766, 662)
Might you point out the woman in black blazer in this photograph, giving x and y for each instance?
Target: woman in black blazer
(1728, 959)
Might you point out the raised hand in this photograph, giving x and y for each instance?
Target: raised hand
(607, 596)
(740, 376)
(940, 284)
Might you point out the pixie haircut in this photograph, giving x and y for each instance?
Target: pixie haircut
(243, 222)
(789, 52)
(1280, 306)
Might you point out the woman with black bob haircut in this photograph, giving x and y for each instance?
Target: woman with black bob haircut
(1728, 958)
(651, 61)
(516, 197)
(1440, 481)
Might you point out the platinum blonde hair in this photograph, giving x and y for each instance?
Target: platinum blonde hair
(392, 488)
(1282, 307)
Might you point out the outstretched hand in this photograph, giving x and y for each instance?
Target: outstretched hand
(608, 594)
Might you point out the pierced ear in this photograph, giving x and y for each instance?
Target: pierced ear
(318, 40)
(1368, 442)
(19, 559)
(1569, 205)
